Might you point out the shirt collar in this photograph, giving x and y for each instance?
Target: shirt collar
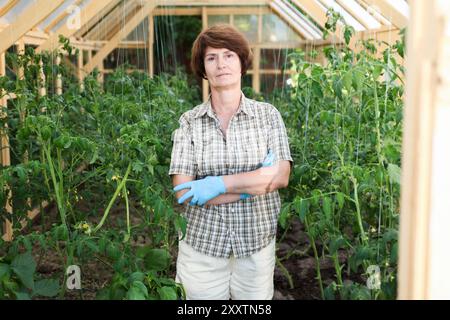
(207, 108)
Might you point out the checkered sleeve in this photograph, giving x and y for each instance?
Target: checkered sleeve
(182, 160)
(278, 138)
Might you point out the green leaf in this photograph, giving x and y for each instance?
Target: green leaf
(394, 254)
(135, 294)
(180, 225)
(328, 292)
(137, 291)
(358, 80)
(46, 287)
(94, 156)
(377, 71)
(394, 173)
(137, 166)
(336, 244)
(157, 259)
(284, 215)
(340, 199)
(4, 270)
(348, 32)
(22, 296)
(167, 293)
(347, 80)
(112, 251)
(136, 276)
(24, 267)
(327, 207)
(46, 133)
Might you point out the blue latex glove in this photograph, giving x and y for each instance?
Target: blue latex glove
(202, 190)
(268, 162)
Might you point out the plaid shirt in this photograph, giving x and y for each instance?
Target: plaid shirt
(200, 149)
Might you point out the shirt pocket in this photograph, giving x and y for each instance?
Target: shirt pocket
(253, 147)
(208, 155)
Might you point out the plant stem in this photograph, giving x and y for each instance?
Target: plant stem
(116, 193)
(316, 257)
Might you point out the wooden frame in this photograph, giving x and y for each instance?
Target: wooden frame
(31, 17)
(7, 7)
(137, 18)
(86, 14)
(424, 238)
(389, 12)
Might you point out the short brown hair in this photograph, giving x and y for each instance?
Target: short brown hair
(220, 36)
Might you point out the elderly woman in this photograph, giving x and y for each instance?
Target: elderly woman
(229, 157)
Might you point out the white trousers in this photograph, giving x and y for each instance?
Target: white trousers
(210, 278)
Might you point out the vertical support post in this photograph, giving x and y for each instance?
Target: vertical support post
(256, 80)
(41, 80)
(58, 83)
(425, 206)
(80, 72)
(151, 36)
(5, 155)
(21, 51)
(205, 85)
(101, 76)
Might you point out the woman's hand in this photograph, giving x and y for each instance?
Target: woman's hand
(268, 162)
(202, 190)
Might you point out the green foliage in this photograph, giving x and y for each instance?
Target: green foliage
(18, 279)
(344, 123)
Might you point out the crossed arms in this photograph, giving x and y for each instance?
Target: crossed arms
(256, 182)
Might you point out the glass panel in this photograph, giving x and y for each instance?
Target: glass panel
(135, 58)
(140, 32)
(246, 81)
(275, 58)
(276, 30)
(248, 25)
(271, 82)
(217, 19)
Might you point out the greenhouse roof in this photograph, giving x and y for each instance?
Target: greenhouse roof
(43, 20)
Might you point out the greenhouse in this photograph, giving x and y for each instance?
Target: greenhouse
(223, 149)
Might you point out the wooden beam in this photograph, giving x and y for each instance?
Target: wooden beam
(111, 23)
(124, 16)
(197, 11)
(87, 13)
(151, 36)
(279, 8)
(125, 31)
(4, 10)
(319, 16)
(80, 74)
(389, 12)
(209, 3)
(21, 51)
(5, 153)
(28, 19)
(60, 17)
(205, 84)
(344, 4)
(58, 81)
(427, 86)
(99, 16)
(256, 79)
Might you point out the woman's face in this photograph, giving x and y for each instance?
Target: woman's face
(223, 68)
